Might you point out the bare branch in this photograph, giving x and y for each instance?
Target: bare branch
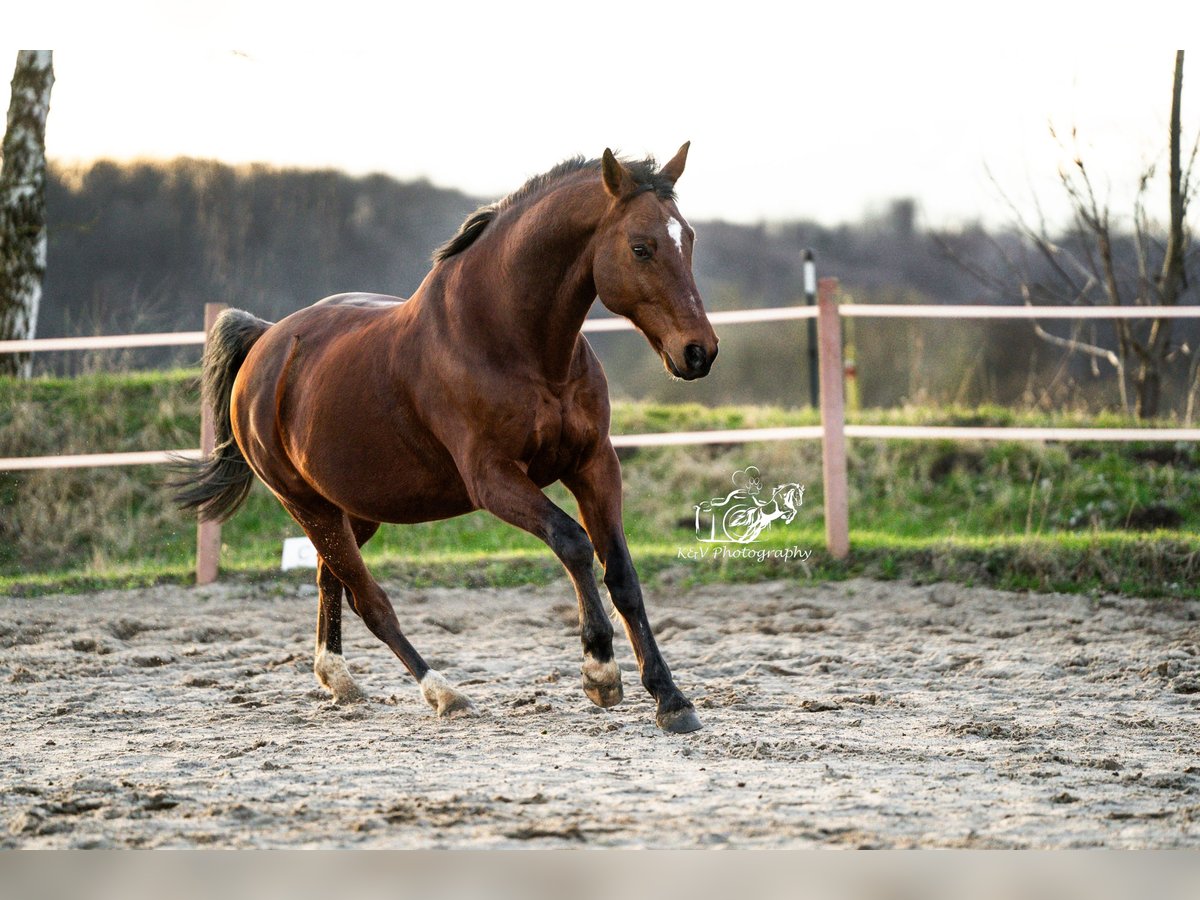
(1073, 343)
(1141, 229)
(1100, 259)
(1170, 282)
(990, 282)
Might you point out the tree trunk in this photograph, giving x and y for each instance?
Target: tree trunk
(1149, 391)
(1171, 283)
(23, 204)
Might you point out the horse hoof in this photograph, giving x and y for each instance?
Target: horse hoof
(448, 702)
(332, 674)
(604, 695)
(458, 706)
(602, 682)
(345, 695)
(679, 721)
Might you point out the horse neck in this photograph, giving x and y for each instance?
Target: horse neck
(536, 307)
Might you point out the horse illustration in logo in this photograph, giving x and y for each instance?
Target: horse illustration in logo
(743, 515)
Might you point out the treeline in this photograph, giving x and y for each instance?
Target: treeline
(142, 247)
(147, 245)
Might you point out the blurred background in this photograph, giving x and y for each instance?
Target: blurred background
(265, 155)
(919, 171)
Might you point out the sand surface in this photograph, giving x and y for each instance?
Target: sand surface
(862, 714)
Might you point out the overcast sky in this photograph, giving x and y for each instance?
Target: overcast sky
(791, 113)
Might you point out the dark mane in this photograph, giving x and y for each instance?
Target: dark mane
(645, 175)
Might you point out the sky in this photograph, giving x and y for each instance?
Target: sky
(794, 110)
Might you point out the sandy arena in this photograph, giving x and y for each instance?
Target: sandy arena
(859, 714)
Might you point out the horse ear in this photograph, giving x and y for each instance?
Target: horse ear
(618, 180)
(672, 170)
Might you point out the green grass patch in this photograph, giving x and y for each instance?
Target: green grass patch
(1078, 517)
(1159, 565)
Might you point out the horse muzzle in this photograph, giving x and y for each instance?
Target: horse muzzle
(696, 362)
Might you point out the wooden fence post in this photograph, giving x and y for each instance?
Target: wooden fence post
(208, 534)
(833, 420)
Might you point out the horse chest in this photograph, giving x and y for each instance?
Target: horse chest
(554, 441)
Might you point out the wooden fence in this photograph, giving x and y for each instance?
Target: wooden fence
(832, 432)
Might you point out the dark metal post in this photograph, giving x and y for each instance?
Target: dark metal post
(810, 299)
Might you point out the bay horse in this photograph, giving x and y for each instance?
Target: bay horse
(475, 393)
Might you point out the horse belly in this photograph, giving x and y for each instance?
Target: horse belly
(395, 487)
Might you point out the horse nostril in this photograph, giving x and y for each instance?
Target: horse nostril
(695, 357)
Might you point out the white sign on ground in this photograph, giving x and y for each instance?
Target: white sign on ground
(298, 553)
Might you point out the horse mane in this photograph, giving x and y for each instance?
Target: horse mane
(645, 175)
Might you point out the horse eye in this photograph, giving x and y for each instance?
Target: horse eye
(641, 251)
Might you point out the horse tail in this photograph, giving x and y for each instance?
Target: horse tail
(217, 484)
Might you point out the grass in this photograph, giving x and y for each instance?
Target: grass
(1046, 517)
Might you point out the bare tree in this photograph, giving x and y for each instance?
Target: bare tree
(1096, 264)
(23, 204)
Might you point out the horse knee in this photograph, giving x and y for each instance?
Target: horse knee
(374, 617)
(619, 577)
(574, 547)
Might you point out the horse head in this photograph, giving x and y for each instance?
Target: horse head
(642, 265)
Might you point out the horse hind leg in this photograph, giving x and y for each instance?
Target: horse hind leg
(329, 666)
(446, 700)
(338, 548)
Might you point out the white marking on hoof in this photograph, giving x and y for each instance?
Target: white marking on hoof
(602, 681)
(439, 694)
(331, 671)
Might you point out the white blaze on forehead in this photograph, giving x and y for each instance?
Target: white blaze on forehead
(675, 230)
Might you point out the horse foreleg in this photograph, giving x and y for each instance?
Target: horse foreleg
(597, 487)
(329, 665)
(504, 490)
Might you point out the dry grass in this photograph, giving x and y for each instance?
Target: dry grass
(89, 517)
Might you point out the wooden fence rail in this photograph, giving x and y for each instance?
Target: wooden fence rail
(832, 431)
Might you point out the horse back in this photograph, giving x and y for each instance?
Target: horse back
(362, 301)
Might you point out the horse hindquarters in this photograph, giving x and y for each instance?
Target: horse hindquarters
(216, 486)
(272, 420)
